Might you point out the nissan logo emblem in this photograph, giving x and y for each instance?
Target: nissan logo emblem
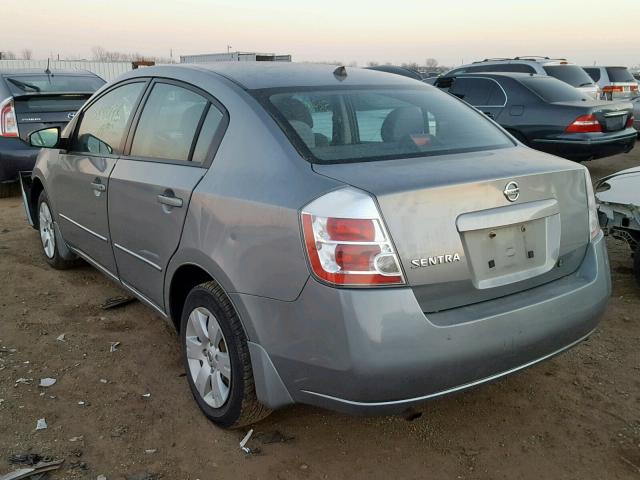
(512, 191)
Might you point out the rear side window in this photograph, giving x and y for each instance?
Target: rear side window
(209, 128)
(552, 90)
(104, 122)
(20, 84)
(571, 74)
(619, 74)
(510, 67)
(594, 73)
(337, 125)
(478, 91)
(168, 123)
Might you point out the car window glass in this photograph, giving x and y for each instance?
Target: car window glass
(571, 74)
(511, 67)
(594, 73)
(376, 124)
(619, 74)
(168, 123)
(209, 129)
(104, 122)
(474, 91)
(552, 90)
(496, 96)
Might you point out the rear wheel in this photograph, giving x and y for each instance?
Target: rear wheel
(48, 238)
(216, 359)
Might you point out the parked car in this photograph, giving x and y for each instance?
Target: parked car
(404, 71)
(547, 114)
(614, 82)
(618, 196)
(636, 113)
(343, 238)
(561, 69)
(29, 101)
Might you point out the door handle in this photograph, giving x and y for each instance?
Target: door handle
(98, 187)
(170, 201)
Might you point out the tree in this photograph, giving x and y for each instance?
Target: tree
(431, 63)
(8, 55)
(27, 54)
(372, 64)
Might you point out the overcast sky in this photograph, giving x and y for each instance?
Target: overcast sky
(346, 30)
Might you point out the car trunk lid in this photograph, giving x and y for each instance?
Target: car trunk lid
(459, 239)
(37, 111)
(612, 116)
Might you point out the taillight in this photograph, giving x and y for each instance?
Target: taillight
(612, 89)
(8, 121)
(346, 241)
(594, 224)
(630, 121)
(584, 124)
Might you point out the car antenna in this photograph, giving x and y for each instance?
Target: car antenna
(48, 70)
(340, 73)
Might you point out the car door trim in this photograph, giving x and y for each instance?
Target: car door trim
(93, 263)
(139, 257)
(143, 298)
(88, 230)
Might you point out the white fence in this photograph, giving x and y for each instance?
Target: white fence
(107, 70)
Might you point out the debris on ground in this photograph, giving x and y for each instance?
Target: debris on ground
(30, 459)
(26, 381)
(101, 477)
(103, 380)
(115, 302)
(77, 439)
(114, 347)
(244, 441)
(142, 476)
(150, 451)
(146, 395)
(47, 382)
(38, 468)
(60, 337)
(41, 424)
(276, 436)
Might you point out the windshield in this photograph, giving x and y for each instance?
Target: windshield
(53, 83)
(571, 74)
(330, 125)
(620, 74)
(552, 90)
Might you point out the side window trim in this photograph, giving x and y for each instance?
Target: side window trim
(506, 98)
(136, 108)
(211, 102)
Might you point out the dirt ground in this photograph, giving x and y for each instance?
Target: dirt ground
(576, 416)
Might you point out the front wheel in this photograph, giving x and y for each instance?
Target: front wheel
(636, 264)
(48, 237)
(216, 359)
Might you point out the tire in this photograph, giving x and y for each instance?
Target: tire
(218, 369)
(48, 238)
(9, 189)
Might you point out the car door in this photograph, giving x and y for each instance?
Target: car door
(79, 178)
(486, 94)
(171, 145)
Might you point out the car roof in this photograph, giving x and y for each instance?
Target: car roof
(39, 71)
(531, 59)
(259, 75)
(514, 75)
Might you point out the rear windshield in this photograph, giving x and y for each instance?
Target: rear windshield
(619, 74)
(50, 103)
(20, 84)
(331, 125)
(571, 74)
(552, 90)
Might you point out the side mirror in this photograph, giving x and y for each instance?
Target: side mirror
(45, 138)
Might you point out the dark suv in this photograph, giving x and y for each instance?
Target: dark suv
(31, 100)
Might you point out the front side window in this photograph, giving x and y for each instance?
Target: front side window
(168, 123)
(330, 125)
(104, 122)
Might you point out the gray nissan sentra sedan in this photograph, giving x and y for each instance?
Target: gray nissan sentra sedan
(340, 237)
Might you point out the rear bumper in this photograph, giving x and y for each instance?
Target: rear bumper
(364, 351)
(587, 147)
(15, 156)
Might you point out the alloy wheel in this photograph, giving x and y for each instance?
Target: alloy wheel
(47, 235)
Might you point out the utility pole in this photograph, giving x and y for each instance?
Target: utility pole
(228, 48)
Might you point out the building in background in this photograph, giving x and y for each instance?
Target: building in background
(234, 57)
